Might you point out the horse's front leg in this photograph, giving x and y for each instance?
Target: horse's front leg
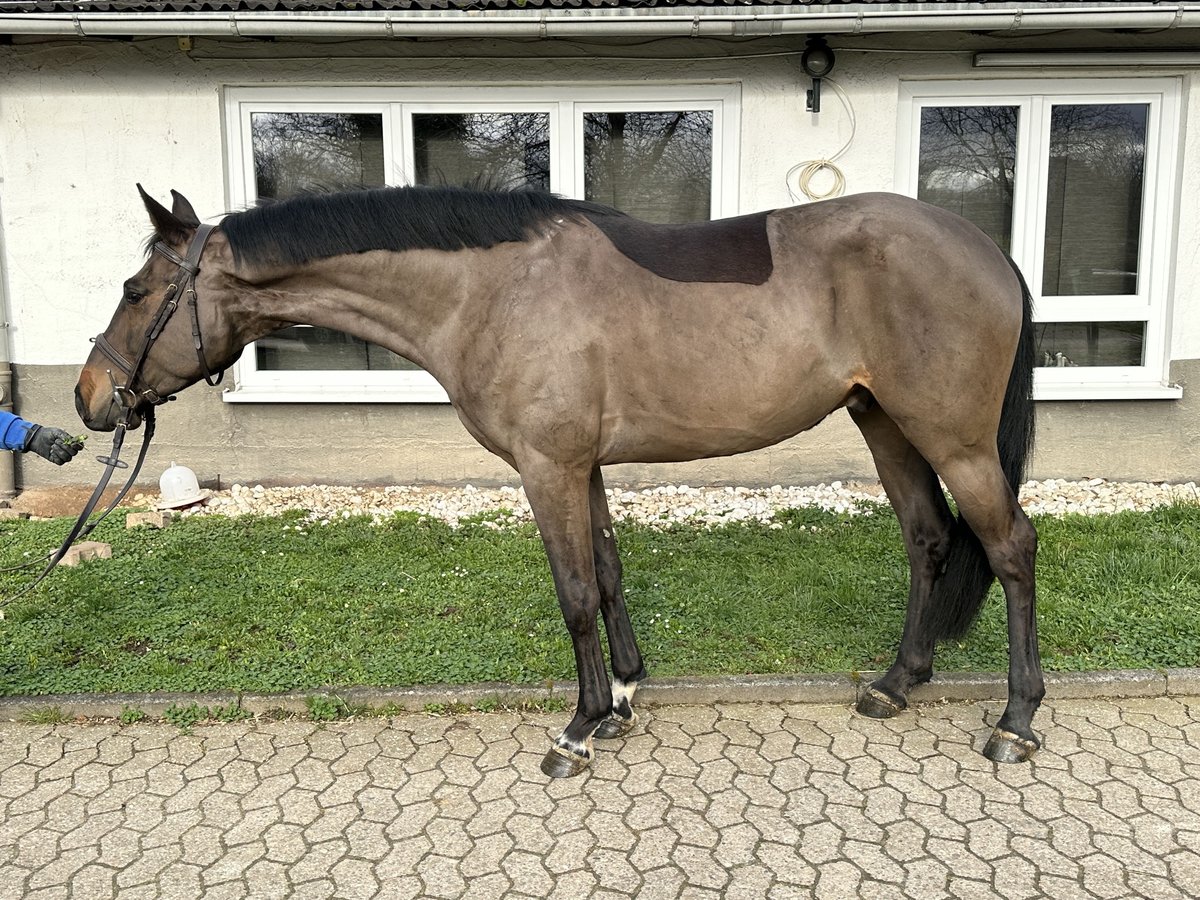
(558, 495)
(627, 667)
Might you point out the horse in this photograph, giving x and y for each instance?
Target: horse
(570, 336)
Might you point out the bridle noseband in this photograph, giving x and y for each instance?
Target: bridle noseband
(184, 282)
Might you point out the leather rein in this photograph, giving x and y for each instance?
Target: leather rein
(130, 398)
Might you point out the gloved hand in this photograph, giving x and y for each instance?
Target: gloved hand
(54, 444)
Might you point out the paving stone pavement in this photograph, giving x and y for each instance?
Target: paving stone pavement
(741, 800)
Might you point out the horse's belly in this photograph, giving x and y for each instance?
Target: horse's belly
(684, 432)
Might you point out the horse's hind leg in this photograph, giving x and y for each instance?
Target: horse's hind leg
(990, 507)
(925, 520)
(627, 667)
(558, 495)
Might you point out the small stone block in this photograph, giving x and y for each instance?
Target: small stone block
(13, 514)
(158, 518)
(85, 551)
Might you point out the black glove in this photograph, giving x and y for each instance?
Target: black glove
(54, 444)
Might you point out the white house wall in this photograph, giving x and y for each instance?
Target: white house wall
(82, 122)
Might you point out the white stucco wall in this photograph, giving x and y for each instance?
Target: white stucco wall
(81, 123)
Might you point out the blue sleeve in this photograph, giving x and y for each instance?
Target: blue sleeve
(13, 431)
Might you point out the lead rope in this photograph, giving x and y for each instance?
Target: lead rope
(82, 528)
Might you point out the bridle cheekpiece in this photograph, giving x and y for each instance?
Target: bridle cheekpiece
(127, 396)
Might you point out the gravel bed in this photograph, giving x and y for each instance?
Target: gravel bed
(664, 505)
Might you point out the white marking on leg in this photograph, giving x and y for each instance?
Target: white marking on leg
(576, 748)
(622, 690)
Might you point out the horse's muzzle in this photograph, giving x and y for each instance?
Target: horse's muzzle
(100, 410)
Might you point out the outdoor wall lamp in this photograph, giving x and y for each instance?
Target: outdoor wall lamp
(817, 62)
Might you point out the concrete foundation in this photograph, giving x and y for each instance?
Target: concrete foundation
(287, 443)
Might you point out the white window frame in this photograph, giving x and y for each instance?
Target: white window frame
(1152, 302)
(565, 105)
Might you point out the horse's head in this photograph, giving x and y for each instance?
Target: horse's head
(169, 330)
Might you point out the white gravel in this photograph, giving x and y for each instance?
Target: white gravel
(665, 505)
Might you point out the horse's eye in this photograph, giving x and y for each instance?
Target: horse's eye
(133, 297)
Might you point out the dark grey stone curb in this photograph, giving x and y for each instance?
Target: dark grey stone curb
(818, 689)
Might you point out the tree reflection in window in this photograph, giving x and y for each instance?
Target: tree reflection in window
(653, 165)
(1094, 199)
(968, 163)
(495, 150)
(296, 152)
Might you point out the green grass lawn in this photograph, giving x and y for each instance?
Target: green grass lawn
(262, 604)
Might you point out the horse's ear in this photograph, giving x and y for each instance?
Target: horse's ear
(182, 210)
(166, 224)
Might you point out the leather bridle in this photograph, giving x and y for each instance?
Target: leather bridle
(129, 398)
(183, 283)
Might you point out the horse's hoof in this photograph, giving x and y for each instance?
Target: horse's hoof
(880, 704)
(1006, 747)
(615, 727)
(560, 762)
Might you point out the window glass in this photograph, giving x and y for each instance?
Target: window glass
(1094, 199)
(1059, 173)
(296, 152)
(653, 165)
(1071, 344)
(968, 163)
(304, 349)
(495, 150)
(647, 149)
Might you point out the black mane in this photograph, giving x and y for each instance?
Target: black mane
(318, 226)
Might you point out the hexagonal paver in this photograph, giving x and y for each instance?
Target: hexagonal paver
(738, 800)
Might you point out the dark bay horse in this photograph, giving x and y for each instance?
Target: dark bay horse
(570, 336)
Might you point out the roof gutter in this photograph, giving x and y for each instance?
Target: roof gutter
(591, 22)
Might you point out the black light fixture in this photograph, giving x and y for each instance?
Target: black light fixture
(817, 62)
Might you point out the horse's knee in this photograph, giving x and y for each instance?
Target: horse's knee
(580, 605)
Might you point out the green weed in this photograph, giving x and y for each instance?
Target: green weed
(186, 717)
(47, 715)
(131, 716)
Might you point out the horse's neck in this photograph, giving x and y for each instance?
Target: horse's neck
(401, 301)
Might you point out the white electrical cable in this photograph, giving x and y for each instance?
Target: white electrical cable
(810, 169)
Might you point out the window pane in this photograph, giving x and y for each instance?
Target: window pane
(296, 152)
(498, 150)
(1094, 202)
(1091, 343)
(653, 165)
(968, 163)
(303, 349)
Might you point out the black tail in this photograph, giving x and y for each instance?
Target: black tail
(959, 591)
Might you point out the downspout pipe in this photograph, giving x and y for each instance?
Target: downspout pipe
(567, 23)
(8, 481)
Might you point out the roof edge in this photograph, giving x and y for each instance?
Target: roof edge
(687, 22)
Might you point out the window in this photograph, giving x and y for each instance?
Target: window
(666, 154)
(1074, 178)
